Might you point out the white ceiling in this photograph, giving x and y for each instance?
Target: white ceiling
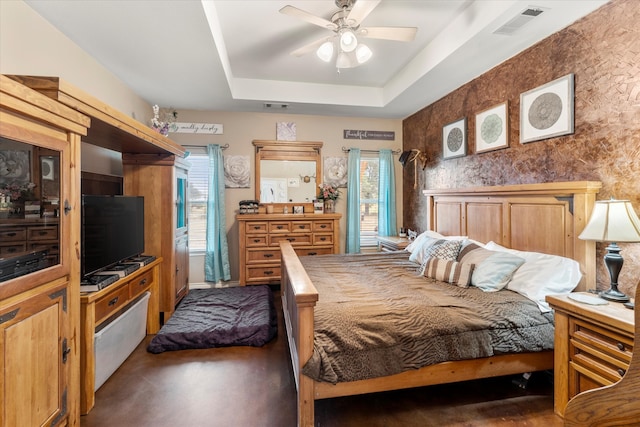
(233, 55)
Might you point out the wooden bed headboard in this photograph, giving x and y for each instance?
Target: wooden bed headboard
(545, 218)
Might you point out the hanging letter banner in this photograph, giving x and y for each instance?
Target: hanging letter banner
(206, 128)
(369, 134)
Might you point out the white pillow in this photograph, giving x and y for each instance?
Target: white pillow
(493, 269)
(424, 241)
(542, 275)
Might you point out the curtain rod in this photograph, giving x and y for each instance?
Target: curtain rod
(204, 147)
(346, 150)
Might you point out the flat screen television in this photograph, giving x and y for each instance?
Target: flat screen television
(112, 231)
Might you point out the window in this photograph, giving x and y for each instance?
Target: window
(198, 194)
(369, 172)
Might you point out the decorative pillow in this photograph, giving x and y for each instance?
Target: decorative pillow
(449, 271)
(444, 249)
(542, 275)
(418, 255)
(493, 269)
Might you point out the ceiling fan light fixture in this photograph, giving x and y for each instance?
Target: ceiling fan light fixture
(325, 51)
(363, 53)
(348, 40)
(343, 61)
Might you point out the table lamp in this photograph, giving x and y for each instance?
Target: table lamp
(613, 221)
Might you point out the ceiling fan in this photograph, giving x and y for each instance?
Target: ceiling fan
(345, 25)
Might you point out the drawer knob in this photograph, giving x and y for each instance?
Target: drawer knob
(323, 226)
(291, 239)
(268, 272)
(620, 346)
(256, 240)
(322, 239)
(143, 282)
(301, 226)
(312, 253)
(114, 301)
(256, 227)
(42, 233)
(268, 255)
(11, 234)
(279, 227)
(621, 372)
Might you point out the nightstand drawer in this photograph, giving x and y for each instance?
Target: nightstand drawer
(608, 345)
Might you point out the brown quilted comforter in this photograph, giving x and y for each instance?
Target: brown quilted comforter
(376, 317)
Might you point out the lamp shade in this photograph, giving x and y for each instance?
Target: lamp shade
(348, 41)
(325, 51)
(612, 221)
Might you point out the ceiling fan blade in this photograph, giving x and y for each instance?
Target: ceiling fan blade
(401, 34)
(306, 16)
(310, 47)
(360, 10)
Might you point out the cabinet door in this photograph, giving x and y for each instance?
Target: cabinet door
(33, 353)
(182, 267)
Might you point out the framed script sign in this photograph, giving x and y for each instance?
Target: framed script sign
(547, 110)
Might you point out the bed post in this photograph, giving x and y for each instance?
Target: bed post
(299, 298)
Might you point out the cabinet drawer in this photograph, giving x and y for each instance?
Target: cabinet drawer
(256, 227)
(140, 284)
(279, 227)
(582, 379)
(263, 256)
(267, 273)
(295, 240)
(111, 302)
(322, 239)
(313, 251)
(13, 234)
(52, 247)
(322, 226)
(256, 241)
(42, 233)
(13, 249)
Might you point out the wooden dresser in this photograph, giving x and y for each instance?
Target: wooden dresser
(261, 234)
(593, 346)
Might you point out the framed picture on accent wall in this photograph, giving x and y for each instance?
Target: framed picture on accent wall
(492, 128)
(454, 139)
(547, 110)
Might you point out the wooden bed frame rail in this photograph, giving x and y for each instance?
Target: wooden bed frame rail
(525, 217)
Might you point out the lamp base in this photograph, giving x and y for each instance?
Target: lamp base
(614, 295)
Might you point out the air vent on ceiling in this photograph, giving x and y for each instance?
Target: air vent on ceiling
(520, 20)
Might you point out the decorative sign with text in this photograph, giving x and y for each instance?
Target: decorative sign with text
(369, 134)
(206, 128)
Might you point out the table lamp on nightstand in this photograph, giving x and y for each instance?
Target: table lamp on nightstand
(613, 221)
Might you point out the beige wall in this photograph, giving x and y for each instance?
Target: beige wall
(30, 45)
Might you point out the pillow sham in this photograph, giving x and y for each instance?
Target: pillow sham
(422, 237)
(452, 272)
(542, 275)
(444, 249)
(493, 269)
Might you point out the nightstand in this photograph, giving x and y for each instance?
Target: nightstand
(392, 243)
(593, 346)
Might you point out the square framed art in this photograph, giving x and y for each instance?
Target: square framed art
(454, 139)
(492, 128)
(547, 110)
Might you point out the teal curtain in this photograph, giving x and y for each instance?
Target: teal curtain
(216, 261)
(353, 202)
(386, 195)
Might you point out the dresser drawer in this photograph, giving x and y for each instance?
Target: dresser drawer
(263, 256)
(42, 233)
(140, 284)
(301, 227)
(13, 234)
(322, 226)
(279, 227)
(266, 273)
(256, 241)
(111, 302)
(322, 239)
(294, 239)
(313, 251)
(256, 227)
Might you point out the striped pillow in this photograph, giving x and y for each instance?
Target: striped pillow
(452, 272)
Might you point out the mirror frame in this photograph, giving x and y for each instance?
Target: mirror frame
(287, 150)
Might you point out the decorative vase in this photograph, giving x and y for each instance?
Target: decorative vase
(329, 206)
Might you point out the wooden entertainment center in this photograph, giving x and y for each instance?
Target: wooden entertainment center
(48, 115)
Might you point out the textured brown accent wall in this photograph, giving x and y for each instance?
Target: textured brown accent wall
(603, 52)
